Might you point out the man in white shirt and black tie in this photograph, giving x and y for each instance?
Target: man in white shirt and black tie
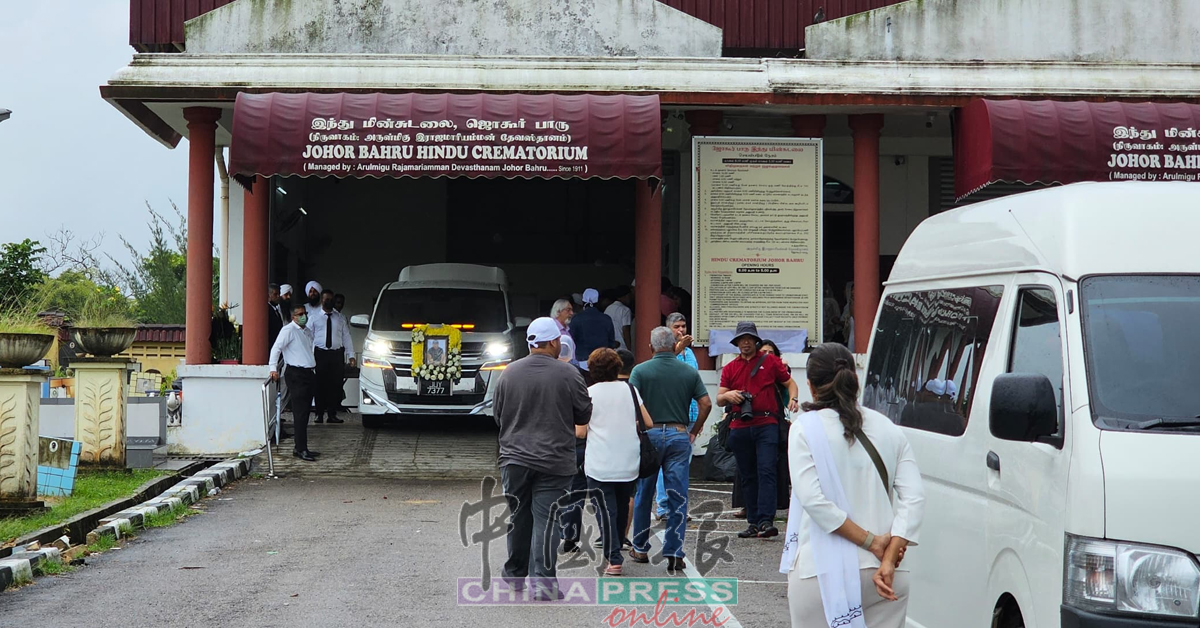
(334, 347)
(294, 347)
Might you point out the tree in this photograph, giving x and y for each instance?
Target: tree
(68, 292)
(157, 280)
(20, 272)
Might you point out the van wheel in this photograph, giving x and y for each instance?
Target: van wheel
(1007, 614)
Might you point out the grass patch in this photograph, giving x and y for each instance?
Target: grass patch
(102, 544)
(52, 568)
(92, 490)
(167, 517)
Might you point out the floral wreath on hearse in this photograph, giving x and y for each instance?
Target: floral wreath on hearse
(452, 369)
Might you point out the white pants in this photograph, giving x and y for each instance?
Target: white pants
(804, 600)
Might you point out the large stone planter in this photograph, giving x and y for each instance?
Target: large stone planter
(101, 409)
(104, 342)
(21, 350)
(19, 406)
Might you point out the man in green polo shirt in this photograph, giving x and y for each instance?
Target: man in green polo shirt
(668, 388)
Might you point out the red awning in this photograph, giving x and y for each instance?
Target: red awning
(455, 135)
(1022, 141)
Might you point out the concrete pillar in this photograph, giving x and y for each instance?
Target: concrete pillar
(704, 122)
(647, 263)
(20, 394)
(866, 128)
(202, 145)
(808, 126)
(101, 409)
(256, 212)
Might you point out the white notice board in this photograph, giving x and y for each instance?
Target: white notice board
(756, 204)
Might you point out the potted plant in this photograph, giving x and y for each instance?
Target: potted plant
(105, 325)
(225, 337)
(25, 337)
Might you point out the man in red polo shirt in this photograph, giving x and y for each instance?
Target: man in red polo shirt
(754, 431)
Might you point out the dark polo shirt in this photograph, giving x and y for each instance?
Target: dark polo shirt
(668, 387)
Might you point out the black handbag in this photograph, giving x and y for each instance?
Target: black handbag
(648, 459)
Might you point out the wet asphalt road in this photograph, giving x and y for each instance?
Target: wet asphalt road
(360, 547)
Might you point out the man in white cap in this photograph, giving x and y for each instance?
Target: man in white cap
(537, 404)
(591, 329)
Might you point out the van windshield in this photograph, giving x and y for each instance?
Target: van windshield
(484, 309)
(1143, 347)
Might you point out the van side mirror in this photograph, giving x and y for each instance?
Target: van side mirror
(522, 321)
(1023, 408)
(360, 320)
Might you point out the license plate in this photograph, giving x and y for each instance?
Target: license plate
(437, 388)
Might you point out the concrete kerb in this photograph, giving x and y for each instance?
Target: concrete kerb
(18, 568)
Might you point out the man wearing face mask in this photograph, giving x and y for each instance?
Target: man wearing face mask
(334, 347)
(294, 347)
(537, 405)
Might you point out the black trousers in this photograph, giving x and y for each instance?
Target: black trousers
(531, 543)
(330, 366)
(302, 383)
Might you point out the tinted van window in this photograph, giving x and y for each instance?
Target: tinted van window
(925, 361)
(1037, 345)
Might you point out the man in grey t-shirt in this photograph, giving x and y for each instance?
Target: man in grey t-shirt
(538, 402)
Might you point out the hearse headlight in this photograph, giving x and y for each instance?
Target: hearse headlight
(379, 347)
(497, 349)
(1106, 576)
(374, 363)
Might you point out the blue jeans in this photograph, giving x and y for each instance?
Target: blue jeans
(659, 491)
(675, 451)
(756, 450)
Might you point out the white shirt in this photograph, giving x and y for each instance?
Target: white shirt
(869, 504)
(296, 347)
(341, 331)
(621, 316)
(613, 451)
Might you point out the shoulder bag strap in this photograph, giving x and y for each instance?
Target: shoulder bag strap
(761, 358)
(874, 454)
(637, 412)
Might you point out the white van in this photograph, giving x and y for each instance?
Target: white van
(472, 298)
(1042, 352)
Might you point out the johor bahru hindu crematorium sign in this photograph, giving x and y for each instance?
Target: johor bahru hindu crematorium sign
(456, 135)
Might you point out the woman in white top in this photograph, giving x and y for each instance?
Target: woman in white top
(848, 527)
(613, 453)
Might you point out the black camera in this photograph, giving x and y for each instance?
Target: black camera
(745, 411)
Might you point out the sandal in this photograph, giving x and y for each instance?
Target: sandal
(612, 570)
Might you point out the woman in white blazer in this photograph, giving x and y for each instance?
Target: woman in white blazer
(853, 514)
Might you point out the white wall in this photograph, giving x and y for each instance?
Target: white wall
(1097, 31)
(584, 28)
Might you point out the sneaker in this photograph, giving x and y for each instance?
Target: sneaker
(767, 531)
(749, 533)
(612, 570)
(598, 543)
(626, 544)
(570, 547)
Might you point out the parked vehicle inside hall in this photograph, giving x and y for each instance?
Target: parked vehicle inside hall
(473, 299)
(1041, 352)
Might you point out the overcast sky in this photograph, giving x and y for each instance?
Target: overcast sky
(66, 156)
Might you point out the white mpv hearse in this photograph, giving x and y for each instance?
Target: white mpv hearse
(469, 297)
(1042, 353)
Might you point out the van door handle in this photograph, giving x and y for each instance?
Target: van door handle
(993, 461)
